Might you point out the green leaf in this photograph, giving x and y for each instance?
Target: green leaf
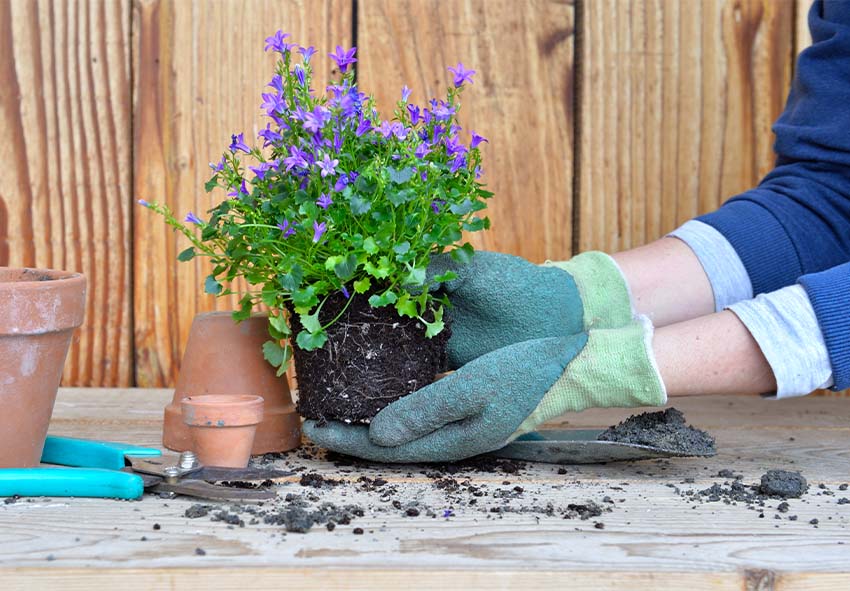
(244, 311)
(364, 185)
(432, 329)
(400, 197)
(332, 262)
(362, 285)
(275, 354)
(359, 205)
(278, 323)
(476, 224)
(346, 267)
(379, 272)
(405, 306)
(385, 299)
(370, 246)
(311, 341)
(212, 286)
(186, 255)
(462, 208)
(292, 280)
(305, 298)
(211, 184)
(402, 248)
(416, 276)
(445, 277)
(400, 176)
(463, 255)
(311, 322)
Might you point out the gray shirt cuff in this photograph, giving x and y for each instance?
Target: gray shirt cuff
(729, 280)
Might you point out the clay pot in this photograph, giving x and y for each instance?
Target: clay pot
(223, 357)
(39, 310)
(223, 427)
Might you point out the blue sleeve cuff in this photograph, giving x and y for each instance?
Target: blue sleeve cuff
(829, 293)
(758, 237)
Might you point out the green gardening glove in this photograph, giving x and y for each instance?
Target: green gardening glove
(500, 299)
(502, 394)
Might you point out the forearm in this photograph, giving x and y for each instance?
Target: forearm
(713, 354)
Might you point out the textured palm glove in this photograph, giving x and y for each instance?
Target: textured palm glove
(500, 299)
(502, 394)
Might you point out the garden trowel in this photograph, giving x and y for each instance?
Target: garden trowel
(581, 446)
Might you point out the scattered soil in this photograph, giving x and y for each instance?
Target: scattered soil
(371, 358)
(663, 429)
(783, 484)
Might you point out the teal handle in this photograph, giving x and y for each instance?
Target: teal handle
(83, 453)
(70, 482)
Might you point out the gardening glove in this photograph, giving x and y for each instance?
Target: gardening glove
(502, 394)
(500, 299)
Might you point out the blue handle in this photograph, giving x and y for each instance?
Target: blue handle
(83, 453)
(70, 482)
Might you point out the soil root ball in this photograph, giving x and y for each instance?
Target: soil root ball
(663, 429)
(783, 483)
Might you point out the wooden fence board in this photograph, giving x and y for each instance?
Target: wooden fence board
(521, 100)
(201, 69)
(676, 102)
(65, 182)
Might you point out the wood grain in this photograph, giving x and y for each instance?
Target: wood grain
(65, 180)
(521, 100)
(200, 71)
(676, 102)
(802, 35)
(652, 539)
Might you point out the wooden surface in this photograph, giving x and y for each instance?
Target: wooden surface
(675, 102)
(653, 538)
(521, 100)
(66, 153)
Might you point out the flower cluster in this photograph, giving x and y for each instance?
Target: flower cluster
(337, 200)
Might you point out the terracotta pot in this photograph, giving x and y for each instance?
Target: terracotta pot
(223, 357)
(223, 427)
(39, 310)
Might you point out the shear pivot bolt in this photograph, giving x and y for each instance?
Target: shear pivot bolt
(171, 474)
(188, 460)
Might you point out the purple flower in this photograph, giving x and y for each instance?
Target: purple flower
(301, 75)
(405, 94)
(237, 142)
(457, 163)
(307, 53)
(287, 228)
(192, 218)
(337, 142)
(143, 203)
(461, 75)
(318, 230)
(345, 292)
(343, 58)
(341, 183)
(296, 158)
(243, 190)
(478, 172)
(261, 170)
(395, 128)
(315, 120)
(477, 139)
(327, 166)
(276, 83)
(443, 111)
(422, 150)
(454, 147)
(218, 167)
(414, 114)
(436, 204)
(448, 513)
(276, 42)
(269, 135)
(273, 103)
(364, 126)
(324, 201)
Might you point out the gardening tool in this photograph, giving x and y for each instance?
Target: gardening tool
(117, 470)
(580, 446)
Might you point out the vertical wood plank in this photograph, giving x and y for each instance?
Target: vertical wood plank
(521, 100)
(676, 102)
(802, 36)
(201, 69)
(65, 113)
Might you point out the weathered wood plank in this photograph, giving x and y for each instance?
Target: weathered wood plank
(652, 538)
(521, 100)
(65, 183)
(676, 101)
(201, 69)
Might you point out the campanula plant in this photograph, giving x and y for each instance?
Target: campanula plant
(337, 200)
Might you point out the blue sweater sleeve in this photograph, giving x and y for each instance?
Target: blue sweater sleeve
(829, 293)
(797, 221)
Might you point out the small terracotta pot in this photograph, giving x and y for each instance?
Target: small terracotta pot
(223, 357)
(223, 427)
(39, 310)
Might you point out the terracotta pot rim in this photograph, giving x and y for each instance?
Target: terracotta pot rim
(14, 278)
(222, 410)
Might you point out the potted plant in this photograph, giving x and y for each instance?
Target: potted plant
(332, 222)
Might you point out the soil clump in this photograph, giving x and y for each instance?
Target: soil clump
(783, 484)
(663, 429)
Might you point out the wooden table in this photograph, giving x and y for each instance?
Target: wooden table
(652, 537)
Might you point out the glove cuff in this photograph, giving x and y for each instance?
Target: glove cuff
(616, 368)
(602, 288)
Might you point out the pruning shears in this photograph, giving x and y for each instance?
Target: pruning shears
(106, 469)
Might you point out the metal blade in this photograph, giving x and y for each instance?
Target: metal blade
(204, 490)
(217, 474)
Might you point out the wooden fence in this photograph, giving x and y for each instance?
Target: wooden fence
(609, 123)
